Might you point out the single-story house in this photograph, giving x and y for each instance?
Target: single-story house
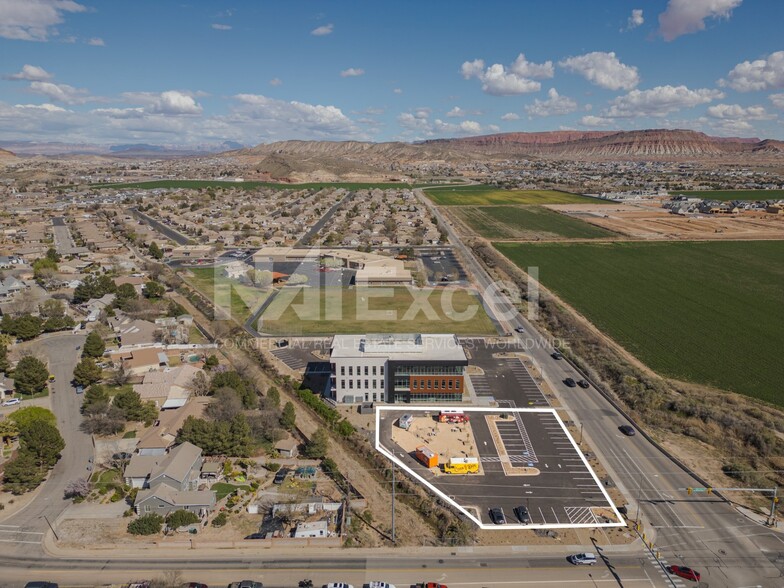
(286, 447)
(311, 530)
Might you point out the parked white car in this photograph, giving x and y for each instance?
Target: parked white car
(380, 585)
(11, 401)
(339, 585)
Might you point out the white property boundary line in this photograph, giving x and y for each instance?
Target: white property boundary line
(410, 409)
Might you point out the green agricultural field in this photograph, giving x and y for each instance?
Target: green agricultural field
(241, 298)
(373, 310)
(197, 184)
(727, 195)
(481, 195)
(526, 223)
(710, 312)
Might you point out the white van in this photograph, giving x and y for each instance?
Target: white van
(404, 422)
(582, 559)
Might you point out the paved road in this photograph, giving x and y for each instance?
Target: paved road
(304, 241)
(706, 534)
(175, 236)
(25, 528)
(63, 240)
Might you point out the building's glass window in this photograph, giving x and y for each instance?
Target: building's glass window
(367, 384)
(449, 384)
(351, 384)
(343, 384)
(429, 384)
(367, 396)
(457, 384)
(375, 384)
(382, 370)
(375, 397)
(443, 384)
(350, 370)
(342, 370)
(374, 370)
(366, 370)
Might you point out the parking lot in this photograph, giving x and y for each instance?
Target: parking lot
(513, 444)
(441, 263)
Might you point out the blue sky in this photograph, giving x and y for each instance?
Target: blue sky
(200, 73)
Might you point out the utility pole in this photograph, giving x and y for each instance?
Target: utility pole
(394, 540)
(580, 442)
(639, 491)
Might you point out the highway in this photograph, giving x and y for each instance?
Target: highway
(705, 533)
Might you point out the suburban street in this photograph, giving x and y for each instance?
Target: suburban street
(25, 528)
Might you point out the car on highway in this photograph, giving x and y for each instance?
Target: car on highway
(520, 329)
(627, 430)
(12, 401)
(570, 382)
(582, 559)
(556, 355)
(583, 384)
(684, 572)
(522, 514)
(497, 516)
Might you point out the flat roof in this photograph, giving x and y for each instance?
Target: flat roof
(399, 347)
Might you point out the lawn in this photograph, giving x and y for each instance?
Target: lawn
(225, 292)
(727, 195)
(481, 195)
(197, 184)
(374, 310)
(710, 313)
(222, 489)
(526, 222)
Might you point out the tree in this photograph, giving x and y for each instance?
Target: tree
(181, 518)
(21, 475)
(124, 295)
(78, 488)
(132, 407)
(52, 255)
(52, 308)
(44, 268)
(153, 290)
(273, 396)
(233, 380)
(96, 399)
(58, 323)
(24, 417)
(28, 327)
(289, 416)
(199, 384)
(149, 524)
(30, 376)
(211, 362)
(4, 364)
(93, 345)
(226, 404)
(317, 447)
(8, 430)
(86, 372)
(110, 422)
(43, 441)
(155, 251)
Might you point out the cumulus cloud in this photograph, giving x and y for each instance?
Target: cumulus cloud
(603, 69)
(60, 92)
(660, 101)
(120, 113)
(635, 20)
(46, 107)
(276, 82)
(30, 73)
(738, 112)
(760, 74)
(510, 116)
(33, 20)
(221, 27)
(352, 72)
(418, 123)
(777, 100)
(171, 102)
(398, 90)
(96, 42)
(323, 30)
(555, 105)
(517, 78)
(456, 112)
(589, 120)
(683, 17)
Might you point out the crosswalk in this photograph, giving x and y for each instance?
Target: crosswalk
(15, 534)
(481, 386)
(668, 577)
(580, 515)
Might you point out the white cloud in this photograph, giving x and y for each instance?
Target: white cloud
(221, 27)
(590, 120)
(555, 105)
(518, 78)
(171, 102)
(121, 113)
(352, 72)
(60, 92)
(33, 20)
(96, 42)
(323, 30)
(45, 107)
(603, 69)
(31, 73)
(660, 101)
(738, 112)
(636, 19)
(418, 123)
(683, 17)
(456, 112)
(777, 100)
(761, 74)
(398, 91)
(276, 82)
(510, 116)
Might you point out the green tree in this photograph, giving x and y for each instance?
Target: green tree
(58, 323)
(43, 267)
(93, 345)
(149, 524)
(21, 475)
(181, 518)
(4, 364)
(130, 403)
(96, 399)
(289, 416)
(43, 441)
(52, 308)
(316, 447)
(8, 430)
(25, 417)
(52, 255)
(211, 362)
(273, 396)
(233, 380)
(30, 376)
(86, 372)
(153, 290)
(155, 251)
(28, 327)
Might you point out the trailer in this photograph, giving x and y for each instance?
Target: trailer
(425, 455)
(462, 465)
(452, 416)
(404, 422)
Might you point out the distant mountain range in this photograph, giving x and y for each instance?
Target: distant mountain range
(131, 150)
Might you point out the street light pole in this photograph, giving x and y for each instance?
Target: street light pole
(639, 491)
(393, 504)
(580, 442)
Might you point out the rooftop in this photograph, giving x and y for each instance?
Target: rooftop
(402, 346)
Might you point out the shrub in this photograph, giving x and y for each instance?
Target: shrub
(181, 518)
(220, 520)
(149, 524)
(273, 467)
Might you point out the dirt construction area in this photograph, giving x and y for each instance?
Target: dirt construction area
(446, 440)
(649, 222)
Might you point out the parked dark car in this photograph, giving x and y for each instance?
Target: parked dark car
(520, 329)
(684, 572)
(280, 476)
(583, 384)
(627, 430)
(497, 516)
(556, 355)
(41, 585)
(570, 382)
(255, 536)
(522, 515)
(194, 585)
